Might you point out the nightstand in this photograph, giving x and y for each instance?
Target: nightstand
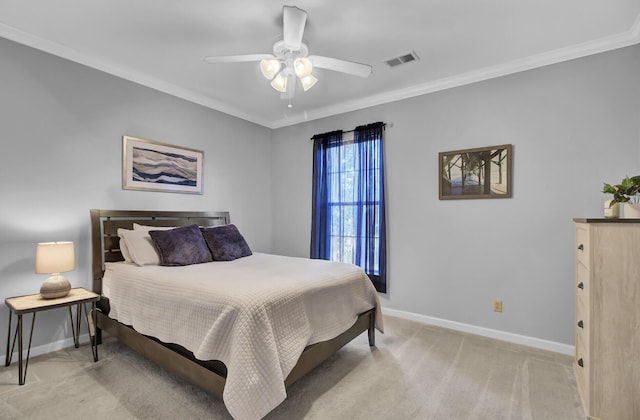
(21, 305)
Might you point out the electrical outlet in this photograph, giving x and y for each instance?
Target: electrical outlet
(497, 306)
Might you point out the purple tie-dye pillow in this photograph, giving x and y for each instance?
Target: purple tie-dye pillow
(226, 243)
(181, 246)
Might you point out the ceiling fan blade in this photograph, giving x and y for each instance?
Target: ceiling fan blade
(293, 21)
(237, 58)
(356, 69)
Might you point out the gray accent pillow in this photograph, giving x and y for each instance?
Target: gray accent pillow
(226, 243)
(181, 246)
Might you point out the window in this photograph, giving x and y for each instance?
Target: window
(348, 200)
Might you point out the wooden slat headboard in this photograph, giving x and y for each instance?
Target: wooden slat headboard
(105, 245)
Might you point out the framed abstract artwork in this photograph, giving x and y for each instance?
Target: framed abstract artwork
(152, 166)
(484, 172)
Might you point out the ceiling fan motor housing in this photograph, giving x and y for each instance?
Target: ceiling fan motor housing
(280, 51)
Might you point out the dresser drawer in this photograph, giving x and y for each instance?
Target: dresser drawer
(581, 367)
(581, 330)
(582, 279)
(582, 313)
(583, 282)
(582, 244)
(582, 351)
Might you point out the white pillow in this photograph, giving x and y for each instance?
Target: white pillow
(148, 228)
(137, 226)
(140, 247)
(124, 249)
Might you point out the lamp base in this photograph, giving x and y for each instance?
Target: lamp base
(55, 286)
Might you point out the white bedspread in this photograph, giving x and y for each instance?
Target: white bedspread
(255, 314)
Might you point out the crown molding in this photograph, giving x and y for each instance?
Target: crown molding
(635, 28)
(143, 79)
(630, 37)
(609, 43)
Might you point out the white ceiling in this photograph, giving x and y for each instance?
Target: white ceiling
(162, 43)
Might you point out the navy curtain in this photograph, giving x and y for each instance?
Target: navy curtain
(370, 220)
(348, 211)
(323, 144)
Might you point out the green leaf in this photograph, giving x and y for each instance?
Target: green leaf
(628, 188)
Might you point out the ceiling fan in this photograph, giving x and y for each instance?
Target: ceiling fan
(291, 59)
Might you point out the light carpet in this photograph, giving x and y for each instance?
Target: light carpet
(416, 371)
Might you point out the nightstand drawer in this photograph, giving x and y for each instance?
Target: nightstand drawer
(582, 244)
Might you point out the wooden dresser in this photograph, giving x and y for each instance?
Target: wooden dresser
(607, 317)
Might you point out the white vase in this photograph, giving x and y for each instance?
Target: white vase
(631, 211)
(611, 212)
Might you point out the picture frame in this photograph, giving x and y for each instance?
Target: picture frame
(149, 165)
(484, 172)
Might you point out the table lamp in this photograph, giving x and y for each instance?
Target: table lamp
(55, 258)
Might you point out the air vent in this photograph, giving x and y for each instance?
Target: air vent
(403, 59)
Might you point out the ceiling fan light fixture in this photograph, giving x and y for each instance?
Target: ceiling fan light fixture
(291, 60)
(279, 83)
(303, 67)
(308, 82)
(270, 67)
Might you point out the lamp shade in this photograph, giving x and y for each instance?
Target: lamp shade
(270, 67)
(55, 257)
(302, 67)
(279, 83)
(308, 82)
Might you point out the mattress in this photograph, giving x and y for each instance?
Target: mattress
(255, 314)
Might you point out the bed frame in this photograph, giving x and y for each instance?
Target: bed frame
(208, 375)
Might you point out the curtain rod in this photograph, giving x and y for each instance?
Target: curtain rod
(384, 125)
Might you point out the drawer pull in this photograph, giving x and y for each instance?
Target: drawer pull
(580, 362)
(581, 247)
(580, 324)
(581, 285)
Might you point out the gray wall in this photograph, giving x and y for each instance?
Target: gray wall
(61, 127)
(573, 126)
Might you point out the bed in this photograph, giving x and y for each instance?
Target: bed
(257, 360)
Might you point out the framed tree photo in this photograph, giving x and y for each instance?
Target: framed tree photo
(484, 172)
(152, 166)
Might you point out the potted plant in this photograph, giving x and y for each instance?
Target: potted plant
(628, 193)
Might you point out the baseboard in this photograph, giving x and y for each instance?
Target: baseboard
(485, 332)
(49, 347)
(454, 325)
